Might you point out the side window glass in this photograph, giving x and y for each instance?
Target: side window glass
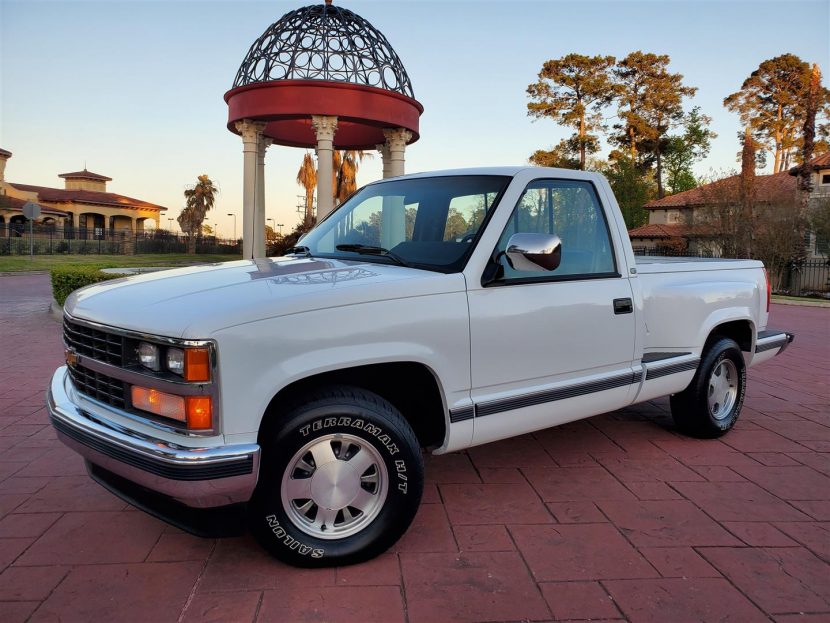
(571, 210)
(465, 216)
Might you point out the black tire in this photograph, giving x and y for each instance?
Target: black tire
(693, 412)
(350, 422)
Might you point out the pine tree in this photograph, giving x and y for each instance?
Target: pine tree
(650, 100)
(772, 103)
(573, 90)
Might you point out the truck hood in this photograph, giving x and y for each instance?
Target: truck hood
(195, 302)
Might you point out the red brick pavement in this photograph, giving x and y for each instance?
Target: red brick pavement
(615, 518)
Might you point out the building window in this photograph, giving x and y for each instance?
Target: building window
(825, 178)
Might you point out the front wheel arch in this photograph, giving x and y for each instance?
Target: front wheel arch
(411, 387)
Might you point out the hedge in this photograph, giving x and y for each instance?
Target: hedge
(66, 279)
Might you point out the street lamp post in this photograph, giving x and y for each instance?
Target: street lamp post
(280, 226)
(170, 227)
(234, 224)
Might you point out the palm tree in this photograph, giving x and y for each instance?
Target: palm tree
(198, 201)
(346, 164)
(307, 178)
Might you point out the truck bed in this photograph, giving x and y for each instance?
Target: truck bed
(651, 264)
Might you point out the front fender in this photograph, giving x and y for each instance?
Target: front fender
(257, 360)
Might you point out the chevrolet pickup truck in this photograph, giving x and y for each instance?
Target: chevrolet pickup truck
(294, 396)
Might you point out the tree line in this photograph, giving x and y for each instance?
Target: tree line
(638, 103)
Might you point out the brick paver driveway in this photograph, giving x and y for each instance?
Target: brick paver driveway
(614, 518)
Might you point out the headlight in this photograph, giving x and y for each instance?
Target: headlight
(175, 361)
(148, 356)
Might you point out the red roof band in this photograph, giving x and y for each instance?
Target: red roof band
(287, 105)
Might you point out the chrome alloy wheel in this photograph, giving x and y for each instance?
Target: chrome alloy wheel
(723, 389)
(334, 486)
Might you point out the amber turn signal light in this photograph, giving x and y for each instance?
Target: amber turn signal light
(194, 411)
(197, 364)
(199, 412)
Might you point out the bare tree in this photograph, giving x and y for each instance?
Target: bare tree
(736, 223)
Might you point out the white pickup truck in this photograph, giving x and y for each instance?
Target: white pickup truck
(434, 311)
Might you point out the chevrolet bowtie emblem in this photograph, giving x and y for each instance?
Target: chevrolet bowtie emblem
(71, 357)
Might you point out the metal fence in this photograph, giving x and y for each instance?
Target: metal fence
(807, 278)
(45, 240)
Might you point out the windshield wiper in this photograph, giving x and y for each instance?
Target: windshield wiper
(366, 249)
(299, 250)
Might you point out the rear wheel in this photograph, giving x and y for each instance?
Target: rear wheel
(340, 480)
(710, 406)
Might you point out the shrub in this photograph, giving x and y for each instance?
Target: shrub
(67, 279)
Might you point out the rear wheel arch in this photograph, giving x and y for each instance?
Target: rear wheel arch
(411, 387)
(741, 331)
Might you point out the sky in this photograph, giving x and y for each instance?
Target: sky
(133, 89)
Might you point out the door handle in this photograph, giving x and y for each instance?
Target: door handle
(623, 306)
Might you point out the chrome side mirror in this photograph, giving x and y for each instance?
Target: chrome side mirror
(534, 252)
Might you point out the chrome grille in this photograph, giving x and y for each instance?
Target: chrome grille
(98, 386)
(95, 344)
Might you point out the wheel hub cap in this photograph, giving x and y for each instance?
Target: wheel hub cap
(334, 485)
(723, 389)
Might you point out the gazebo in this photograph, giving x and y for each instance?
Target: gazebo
(323, 77)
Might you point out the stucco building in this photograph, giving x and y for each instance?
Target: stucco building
(83, 208)
(676, 222)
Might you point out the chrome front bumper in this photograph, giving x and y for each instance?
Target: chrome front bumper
(197, 477)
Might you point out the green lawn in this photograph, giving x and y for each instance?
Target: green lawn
(22, 263)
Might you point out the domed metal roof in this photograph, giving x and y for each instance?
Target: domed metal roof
(324, 42)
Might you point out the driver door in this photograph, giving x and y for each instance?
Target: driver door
(548, 347)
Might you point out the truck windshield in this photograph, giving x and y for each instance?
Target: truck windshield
(429, 223)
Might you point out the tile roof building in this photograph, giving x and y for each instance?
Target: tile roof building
(83, 206)
(673, 223)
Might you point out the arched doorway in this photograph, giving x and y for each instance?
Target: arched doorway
(17, 225)
(91, 226)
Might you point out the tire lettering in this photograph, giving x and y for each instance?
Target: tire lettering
(343, 421)
(290, 542)
(400, 467)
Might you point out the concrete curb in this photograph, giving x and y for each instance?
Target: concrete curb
(56, 311)
(805, 303)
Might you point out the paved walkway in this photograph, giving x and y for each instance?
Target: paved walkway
(614, 518)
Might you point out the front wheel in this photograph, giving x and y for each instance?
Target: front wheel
(340, 480)
(710, 406)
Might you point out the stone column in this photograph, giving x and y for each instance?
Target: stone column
(259, 217)
(396, 140)
(393, 215)
(324, 127)
(383, 149)
(250, 131)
